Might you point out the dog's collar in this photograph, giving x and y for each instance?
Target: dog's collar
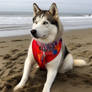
(48, 47)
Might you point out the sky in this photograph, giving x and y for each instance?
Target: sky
(65, 6)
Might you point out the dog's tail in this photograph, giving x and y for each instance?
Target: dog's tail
(80, 62)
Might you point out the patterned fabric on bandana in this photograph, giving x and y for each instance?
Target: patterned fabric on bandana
(44, 53)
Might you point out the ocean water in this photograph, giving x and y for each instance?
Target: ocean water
(16, 25)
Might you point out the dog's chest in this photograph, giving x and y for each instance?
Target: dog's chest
(43, 55)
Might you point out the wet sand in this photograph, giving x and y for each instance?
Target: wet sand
(13, 51)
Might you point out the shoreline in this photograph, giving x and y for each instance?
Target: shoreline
(66, 31)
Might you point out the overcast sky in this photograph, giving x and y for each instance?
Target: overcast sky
(67, 6)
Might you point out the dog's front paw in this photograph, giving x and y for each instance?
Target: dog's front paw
(46, 90)
(19, 86)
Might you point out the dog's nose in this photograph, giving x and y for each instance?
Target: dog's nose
(33, 32)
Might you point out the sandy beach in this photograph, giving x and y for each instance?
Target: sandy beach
(13, 51)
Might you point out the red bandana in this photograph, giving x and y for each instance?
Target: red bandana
(44, 53)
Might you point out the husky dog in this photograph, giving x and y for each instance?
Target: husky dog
(47, 47)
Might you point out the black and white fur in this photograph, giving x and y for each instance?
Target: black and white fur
(47, 28)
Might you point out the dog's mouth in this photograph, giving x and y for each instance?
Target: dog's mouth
(44, 36)
(39, 37)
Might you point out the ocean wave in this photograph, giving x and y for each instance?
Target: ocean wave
(20, 24)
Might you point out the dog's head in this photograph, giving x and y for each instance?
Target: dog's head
(45, 24)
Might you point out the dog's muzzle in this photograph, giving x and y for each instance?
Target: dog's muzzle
(34, 33)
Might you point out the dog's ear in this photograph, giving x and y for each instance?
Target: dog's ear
(53, 9)
(36, 9)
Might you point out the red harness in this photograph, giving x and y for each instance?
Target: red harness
(44, 53)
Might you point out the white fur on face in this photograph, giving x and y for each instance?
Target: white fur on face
(46, 33)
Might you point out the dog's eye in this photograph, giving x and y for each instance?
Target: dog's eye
(45, 22)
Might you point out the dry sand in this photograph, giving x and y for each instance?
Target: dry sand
(13, 51)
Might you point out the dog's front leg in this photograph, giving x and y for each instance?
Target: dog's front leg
(52, 69)
(51, 74)
(28, 63)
